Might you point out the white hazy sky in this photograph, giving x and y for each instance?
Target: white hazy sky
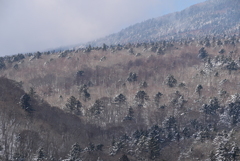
(36, 25)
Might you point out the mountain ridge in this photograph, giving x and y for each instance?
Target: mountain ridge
(212, 17)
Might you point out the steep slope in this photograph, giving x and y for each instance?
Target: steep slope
(24, 132)
(169, 100)
(208, 18)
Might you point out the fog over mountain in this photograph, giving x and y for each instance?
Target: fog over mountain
(37, 25)
(213, 17)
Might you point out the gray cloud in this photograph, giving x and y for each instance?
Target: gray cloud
(31, 25)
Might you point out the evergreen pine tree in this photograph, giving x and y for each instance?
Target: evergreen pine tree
(31, 92)
(75, 152)
(97, 108)
(130, 115)
(199, 89)
(25, 102)
(141, 97)
(202, 53)
(104, 47)
(157, 99)
(132, 77)
(120, 99)
(234, 153)
(170, 81)
(40, 155)
(154, 147)
(73, 105)
(84, 94)
(221, 153)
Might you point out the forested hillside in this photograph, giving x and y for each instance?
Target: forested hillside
(166, 100)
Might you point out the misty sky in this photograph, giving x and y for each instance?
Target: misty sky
(37, 25)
